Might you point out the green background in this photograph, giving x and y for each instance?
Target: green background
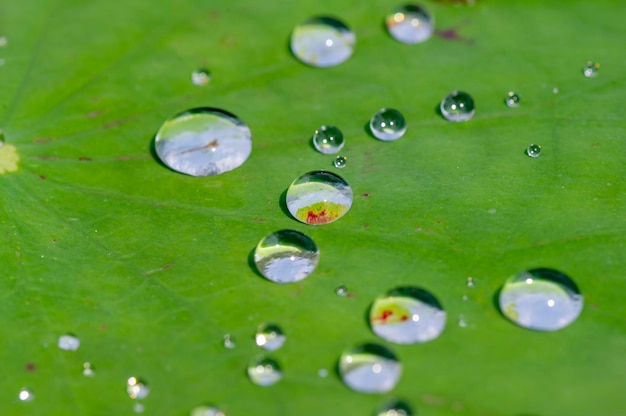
(150, 267)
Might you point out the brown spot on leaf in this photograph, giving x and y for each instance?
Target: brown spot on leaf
(453, 33)
(259, 219)
(46, 157)
(43, 139)
(366, 195)
(42, 177)
(94, 114)
(30, 367)
(85, 159)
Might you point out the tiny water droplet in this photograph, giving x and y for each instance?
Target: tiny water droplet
(591, 69)
(203, 142)
(88, 370)
(68, 342)
(328, 140)
(534, 150)
(139, 407)
(270, 337)
(206, 410)
(201, 77)
(26, 395)
(370, 368)
(395, 408)
(457, 106)
(4, 41)
(322, 42)
(555, 90)
(512, 99)
(462, 321)
(286, 256)
(464, 297)
(470, 282)
(229, 341)
(264, 371)
(340, 162)
(407, 315)
(322, 372)
(388, 124)
(410, 24)
(319, 197)
(342, 290)
(2, 61)
(541, 299)
(137, 388)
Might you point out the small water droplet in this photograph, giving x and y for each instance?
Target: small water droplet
(555, 90)
(322, 42)
(206, 410)
(370, 368)
(203, 142)
(534, 150)
(229, 341)
(26, 395)
(464, 297)
(137, 388)
(286, 256)
(395, 408)
(591, 69)
(470, 282)
(4, 41)
(319, 197)
(322, 372)
(264, 371)
(328, 140)
(201, 77)
(407, 315)
(457, 106)
(139, 407)
(270, 337)
(388, 124)
(462, 321)
(342, 290)
(410, 24)
(541, 299)
(68, 342)
(88, 370)
(512, 99)
(340, 162)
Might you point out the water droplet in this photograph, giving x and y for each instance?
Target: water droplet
(68, 342)
(322, 42)
(407, 315)
(206, 410)
(470, 282)
(88, 370)
(286, 256)
(137, 388)
(541, 299)
(4, 41)
(457, 106)
(139, 407)
(395, 408)
(555, 90)
(534, 150)
(462, 321)
(512, 99)
(342, 290)
(201, 77)
(229, 341)
(388, 124)
(322, 372)
(410, 24)
(2, 61)
(340, 162)
(270, 337)
(319, 197)
(370, 368)
(328, 139)
(26, 395)
(264, 371)
(203, 142)
(591, 69)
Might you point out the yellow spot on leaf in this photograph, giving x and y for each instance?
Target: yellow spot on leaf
(8, 158)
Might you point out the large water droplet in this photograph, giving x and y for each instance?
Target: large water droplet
(68, 342)
(407, 315)
(370, 368)
(286, 256)
(541, 299)
(322, 41)
(591, 69)
(201, 77)
(534, 150)
(264, 371)
(457, 106)
(206, 410)
(328, 139)
(512, 99)
(270, 337)
(26, 395)
(137, 388)
(410, 24)
(203, 142)
(340, 162)
(388, 124)
(395, 408)
(319, 197)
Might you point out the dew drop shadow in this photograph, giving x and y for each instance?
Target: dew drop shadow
(154, 154)
(438, 111)
(366, 316)
(283, 203)
(252, 264)
(495, 300)
(368, 130)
